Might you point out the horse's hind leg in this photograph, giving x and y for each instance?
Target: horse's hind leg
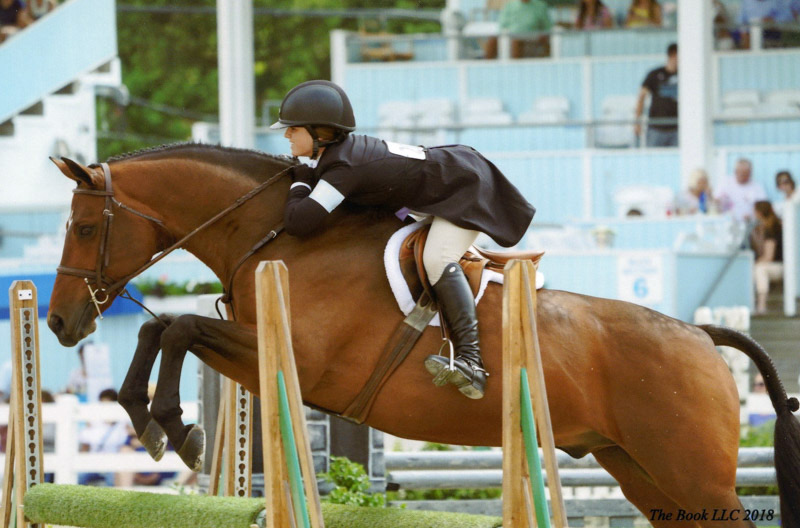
(133, 393)
(691, 485)
(638, 487)
(226, 346)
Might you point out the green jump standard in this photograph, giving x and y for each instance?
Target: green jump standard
(91, 507)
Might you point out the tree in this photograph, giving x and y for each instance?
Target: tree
(169, 63)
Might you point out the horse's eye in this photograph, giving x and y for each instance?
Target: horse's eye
(85, 231)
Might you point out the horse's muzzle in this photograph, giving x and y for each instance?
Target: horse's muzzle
(70, 337)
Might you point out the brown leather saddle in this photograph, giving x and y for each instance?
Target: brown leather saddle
(411, 328)
(473, 264)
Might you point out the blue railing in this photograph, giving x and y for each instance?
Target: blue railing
(76, 38)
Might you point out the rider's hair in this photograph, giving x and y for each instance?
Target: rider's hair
(327, 133)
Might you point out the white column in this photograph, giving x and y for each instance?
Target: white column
(695, 45)
(338, 56)
(790, 251)
(236, 73)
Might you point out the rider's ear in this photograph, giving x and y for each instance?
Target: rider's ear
(75, 171)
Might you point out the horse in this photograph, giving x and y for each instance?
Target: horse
(648, 395)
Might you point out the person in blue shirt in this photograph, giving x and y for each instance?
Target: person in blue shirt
(766, 12)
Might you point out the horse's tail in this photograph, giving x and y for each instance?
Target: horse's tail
(787, 428)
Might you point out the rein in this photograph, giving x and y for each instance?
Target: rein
(106, 285)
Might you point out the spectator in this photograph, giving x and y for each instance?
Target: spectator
(767, 13)
(661, 84)
(144, 479)
(103, 437)
(766, 239)
(644, 13)
(77, 378)
(593, 14)
(48, 434)
(785, 184)
(697, 198)
(13, 17)
(5, 381)
(36, 9)
(722, 27)
(759, 386)
(738, 194)
(523, 16)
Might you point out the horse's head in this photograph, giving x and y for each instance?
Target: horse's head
(106, 243)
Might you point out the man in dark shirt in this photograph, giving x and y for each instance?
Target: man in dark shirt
(661, 84)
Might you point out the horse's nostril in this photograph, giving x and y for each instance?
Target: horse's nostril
(55, 323)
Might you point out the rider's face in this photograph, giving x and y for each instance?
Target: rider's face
(300, 141)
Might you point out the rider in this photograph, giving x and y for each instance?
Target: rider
(463, 192)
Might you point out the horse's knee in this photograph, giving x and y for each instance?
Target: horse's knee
(180, 334)
(152, 328)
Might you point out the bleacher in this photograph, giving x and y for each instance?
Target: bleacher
(52, 71)
(560, 127)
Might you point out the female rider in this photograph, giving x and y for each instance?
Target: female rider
(463, 192)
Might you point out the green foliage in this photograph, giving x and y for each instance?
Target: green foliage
(162, 288)
(445, 494)
(761, 436)
(351, 484)
(170, 59)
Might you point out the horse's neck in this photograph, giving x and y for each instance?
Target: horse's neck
(185, 198)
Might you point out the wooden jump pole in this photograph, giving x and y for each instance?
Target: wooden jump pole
(23, 466)
(523, 486)
(231, 462)
(286, 504)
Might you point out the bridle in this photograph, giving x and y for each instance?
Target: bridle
(106, 286)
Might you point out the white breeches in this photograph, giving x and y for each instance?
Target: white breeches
(764, 272)
(446, 244)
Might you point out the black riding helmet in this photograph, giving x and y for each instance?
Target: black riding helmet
(320, 103)
(317, 103)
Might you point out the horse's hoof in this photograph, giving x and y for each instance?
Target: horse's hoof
(154, 440)
(193, 450)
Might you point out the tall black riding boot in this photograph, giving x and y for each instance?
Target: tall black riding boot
(455, 298)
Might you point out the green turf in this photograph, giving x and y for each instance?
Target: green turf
(91, 507)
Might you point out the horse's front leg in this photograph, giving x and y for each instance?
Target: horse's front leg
(133, 393)
(226, 346)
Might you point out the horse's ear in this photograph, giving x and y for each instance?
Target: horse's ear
(75, 171)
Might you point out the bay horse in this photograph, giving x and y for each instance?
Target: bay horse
(649, 396)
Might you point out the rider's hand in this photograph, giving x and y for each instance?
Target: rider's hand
(303, 174)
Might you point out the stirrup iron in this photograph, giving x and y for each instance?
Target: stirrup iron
(443, 377)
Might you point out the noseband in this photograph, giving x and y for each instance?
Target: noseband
(105, 285)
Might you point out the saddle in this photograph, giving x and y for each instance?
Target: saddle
(411, 328)
(473, 263)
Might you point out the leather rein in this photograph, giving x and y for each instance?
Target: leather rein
(105, 285)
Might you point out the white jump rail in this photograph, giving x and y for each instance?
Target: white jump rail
(67, 461)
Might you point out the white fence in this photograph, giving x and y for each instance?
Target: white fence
(67, 461)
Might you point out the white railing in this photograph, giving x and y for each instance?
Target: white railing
(67, 461)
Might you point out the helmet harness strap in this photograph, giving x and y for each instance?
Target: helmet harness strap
(312, 131)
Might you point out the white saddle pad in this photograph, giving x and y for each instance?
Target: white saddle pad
(402, 293)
